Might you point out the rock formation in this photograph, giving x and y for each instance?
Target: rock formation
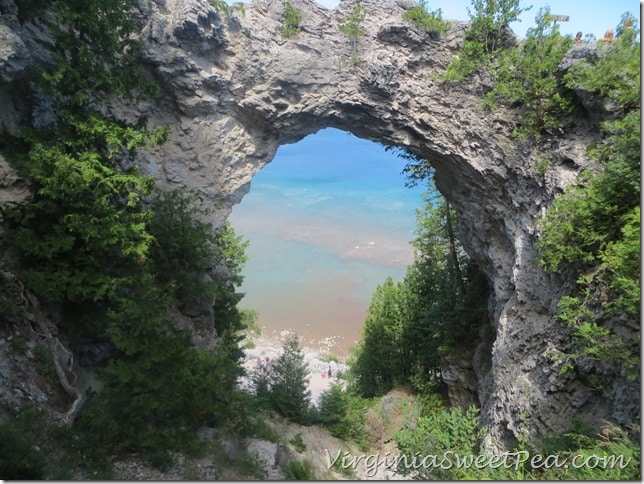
(234, 90)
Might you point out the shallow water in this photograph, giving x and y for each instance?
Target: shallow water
(328, 220)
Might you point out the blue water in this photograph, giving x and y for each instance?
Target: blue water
(328, 220)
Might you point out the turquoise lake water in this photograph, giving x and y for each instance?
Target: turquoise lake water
(328, 220)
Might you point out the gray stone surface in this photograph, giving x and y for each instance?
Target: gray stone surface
(234, 90)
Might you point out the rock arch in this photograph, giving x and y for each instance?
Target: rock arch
(234, 90)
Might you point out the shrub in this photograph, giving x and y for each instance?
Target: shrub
(19, 457)
(430, 21)
(488, 35)
(438, 432)
(222, 7)
(291, 20)
(343, 415)
(594, 228)
(352, 28)
(299, 471)
(527, 76)
(184, 248)
(612, 442)
(616, 74)
(298, 443)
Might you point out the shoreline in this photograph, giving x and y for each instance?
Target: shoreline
(319, 363)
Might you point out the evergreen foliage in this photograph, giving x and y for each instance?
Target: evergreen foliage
(583, 441)
(596, 230)
(299, 471)
(439, 432)
(526, 76)
(184, 248)
(430, 21)
(288, 392)
(114, 258)
(489, 34)
(450, 295)
(84, 232)
(343, 415)
(222, 7)
(616, 74)
(491, 22)
(439, 307)
(19, 457)
(298, 443)
(353, 29)
(94, 55)
(594, 227)
(454, 437)
(292, 21)
(379, 360)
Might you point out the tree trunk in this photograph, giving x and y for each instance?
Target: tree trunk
(56, 348)
(452, 248)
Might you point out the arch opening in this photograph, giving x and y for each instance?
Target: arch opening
(328, 219)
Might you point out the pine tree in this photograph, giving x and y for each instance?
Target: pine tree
(289, 394)
(380, 359)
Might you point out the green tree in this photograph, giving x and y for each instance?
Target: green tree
(184, 249)
(292, 21)
(343, 414)
(616, 74)
(489, 33)
(333, 405)
(160, 388)
(491, 22)
(448, 295)
(230, 321)
(84, 234)
(85, 231)
(94, 54)
(289, 394)
(439, 307)
(609, 267)
(592, 214)
(92, 251)
(527, 75)
(232, 252)
(380, 359)
(593, 229)
(20, 458)
(353, 29)
(223, 7)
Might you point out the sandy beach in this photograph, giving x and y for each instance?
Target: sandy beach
(267, 349)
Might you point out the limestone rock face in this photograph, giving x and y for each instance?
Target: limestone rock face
(234, 90)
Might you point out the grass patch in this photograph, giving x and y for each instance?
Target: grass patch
(298, 443)
(299, 471)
